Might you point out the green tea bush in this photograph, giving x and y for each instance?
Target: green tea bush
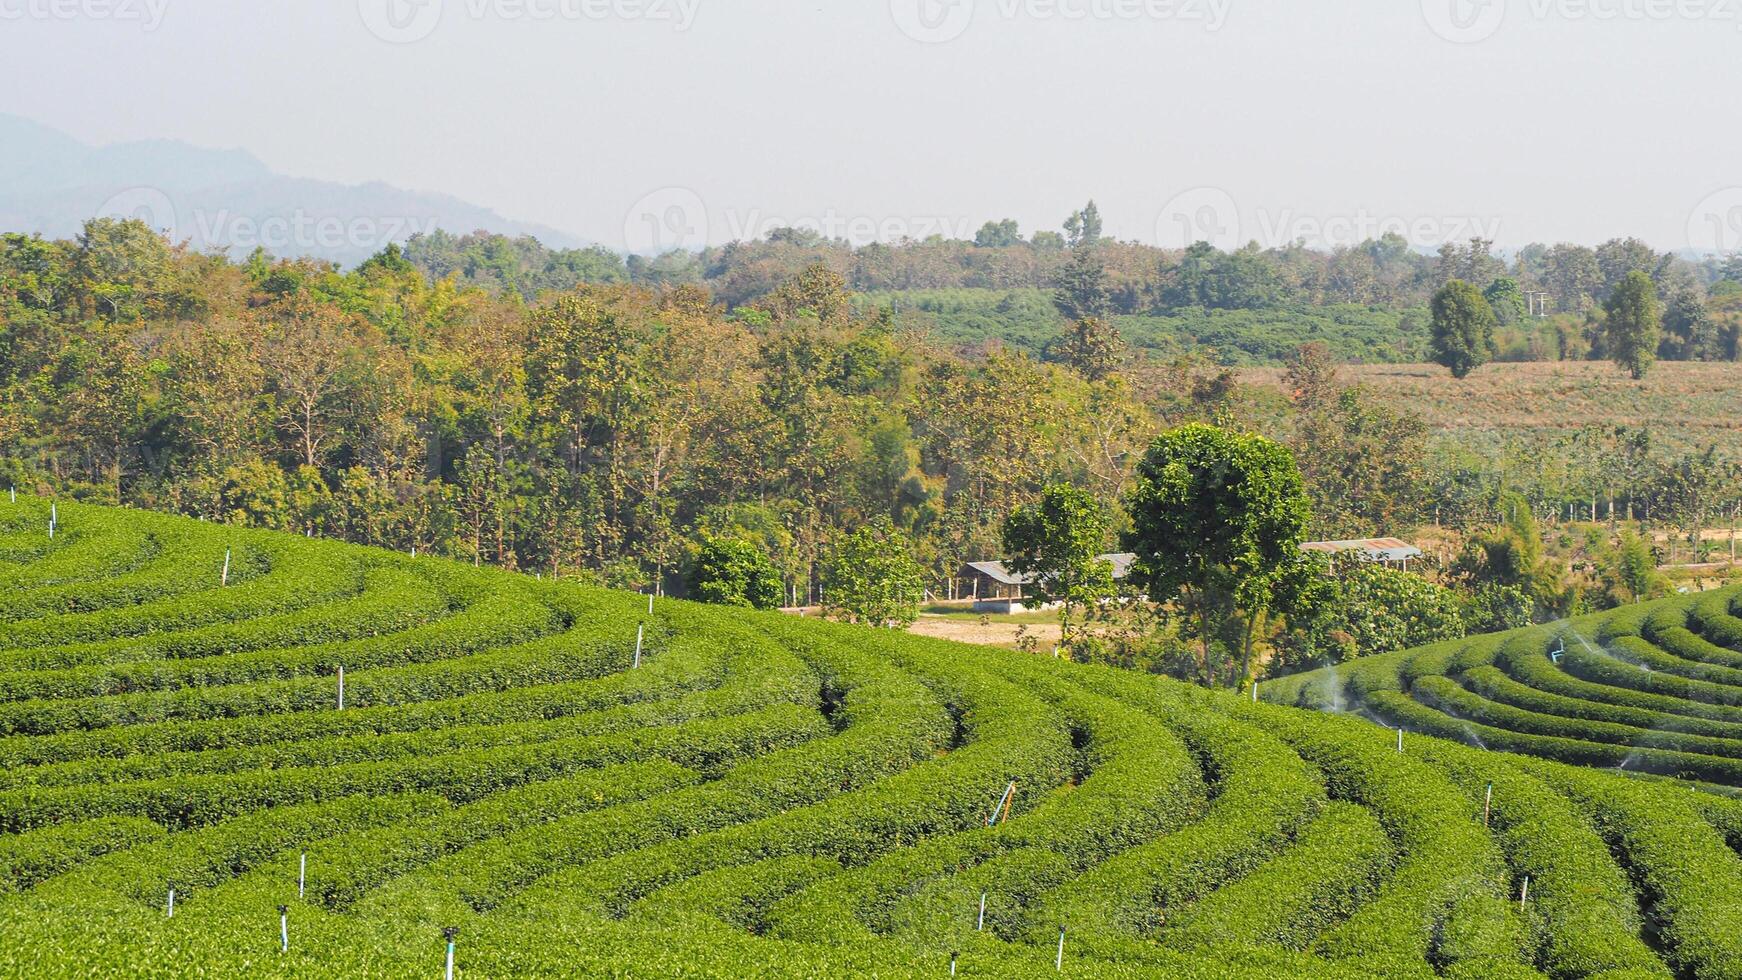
(584, 785)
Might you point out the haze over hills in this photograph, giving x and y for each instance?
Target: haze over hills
(51, 183)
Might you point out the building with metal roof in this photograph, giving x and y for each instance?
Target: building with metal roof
(1384, 550)
(996, 588)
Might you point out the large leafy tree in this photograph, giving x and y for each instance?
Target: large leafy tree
(998, 234)
(1634, 325)
(1058, 542)
(871, 578)
(1463, 328)
(310, 351)
(1217, 519)
(734, 572)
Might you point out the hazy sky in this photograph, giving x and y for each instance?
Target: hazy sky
(1521, 120)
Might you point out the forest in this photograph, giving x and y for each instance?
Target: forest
(581, 414)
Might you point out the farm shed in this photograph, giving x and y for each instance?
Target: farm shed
(995, 588)
(1386, 551)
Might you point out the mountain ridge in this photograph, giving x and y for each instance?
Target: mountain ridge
(222, 199)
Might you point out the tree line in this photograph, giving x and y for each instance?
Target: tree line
(644, 434)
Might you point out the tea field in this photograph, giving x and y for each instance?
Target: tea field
(513, 776)
(1654, 688)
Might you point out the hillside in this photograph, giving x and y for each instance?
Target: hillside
(1654, 688)
(1685, 404)
(759, 796)
(50, 184)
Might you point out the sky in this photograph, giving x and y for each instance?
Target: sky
(647, 124)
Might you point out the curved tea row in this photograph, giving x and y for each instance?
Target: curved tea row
(580, 786)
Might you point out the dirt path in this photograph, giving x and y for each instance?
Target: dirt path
(993, 634)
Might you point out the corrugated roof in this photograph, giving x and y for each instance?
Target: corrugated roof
(997, 572)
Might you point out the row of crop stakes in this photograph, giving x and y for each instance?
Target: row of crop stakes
(1000, 813)
(450, 934)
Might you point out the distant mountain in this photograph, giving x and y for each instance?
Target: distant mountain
(51, 183)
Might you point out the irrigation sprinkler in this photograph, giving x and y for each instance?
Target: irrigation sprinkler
(980, 926)
(1058, 964)
(301, 874)
(650, 603)
(1524, 893)
(1558, 652)
(169, 910)
(224, 576)
(283, 929)
(1488, 805)
(1254, 692)
(1400, 740)
(639, 632)
(341, 688)
(953, 955)
(450, 934)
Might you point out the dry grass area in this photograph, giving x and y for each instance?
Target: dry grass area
(1684, 404)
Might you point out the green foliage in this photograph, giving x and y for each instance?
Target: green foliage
(1636, 569)
(730, 572)
(1364, 463)
(871, 579)
(1217, 519)
(1506, 300)
(1463, 329)
(998, 234)
(1634, 324)
(799, 798)
(1372, 609)
(1057, 543)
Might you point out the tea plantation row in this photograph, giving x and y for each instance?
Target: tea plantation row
(758, 795)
